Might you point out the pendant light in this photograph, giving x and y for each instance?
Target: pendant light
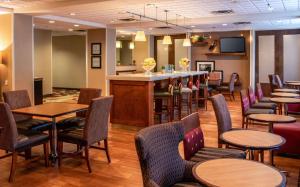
(140, 35)
(167, 38)
(187, 40)
(118, 44)
(131, 45)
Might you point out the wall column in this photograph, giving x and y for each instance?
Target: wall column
(252, 59)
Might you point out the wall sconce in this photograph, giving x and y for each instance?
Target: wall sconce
(118, 44)
(0, 57)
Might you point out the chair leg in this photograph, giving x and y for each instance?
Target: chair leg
(46, 154)
(190, 103)
(243, 122)
(28, 154)
(87, 159)
(247, 122)
(107, 150)
(13, 166)
(232, 93)
(60, 151)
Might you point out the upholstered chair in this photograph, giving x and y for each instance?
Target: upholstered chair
(160, 161)
(194, 146)
(20, 99)
(255, 104)
(228, 89)
(260, 95)
(247, 110)
(12, 141)
(85, 97)
(94, 130)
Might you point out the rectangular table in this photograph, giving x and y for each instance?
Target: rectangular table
(52, 111)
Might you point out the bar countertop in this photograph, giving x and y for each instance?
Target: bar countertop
(153, 76)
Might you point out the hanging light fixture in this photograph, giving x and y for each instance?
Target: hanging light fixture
(131, 45)
(118, 44)
(140, 35)
(187, 40)
(167, 38)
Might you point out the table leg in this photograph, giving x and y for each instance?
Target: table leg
(272, 157)
(53, 155)
(262, 156)
(271, 127)
(285, 109)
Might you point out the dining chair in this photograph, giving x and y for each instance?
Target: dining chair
(273, 82)
(247, 110)
(85, 97)
(12, 141)
(95, 129)
(194, 146)
(255, 104)
(160, 161)
(228, 89)
(260, 95)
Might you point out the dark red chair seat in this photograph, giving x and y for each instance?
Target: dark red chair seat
(291, 133)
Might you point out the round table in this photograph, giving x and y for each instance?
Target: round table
(228, 172)
(295, 84)
(284, 94)
(253, 141)
(292, 81)
(271, 119)
(286, 90)
(285, 100)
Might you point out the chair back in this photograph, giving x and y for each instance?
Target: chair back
(232, 81)
(259, 92)
(18, 99)
(222, 114)
(191, 122)
(278, 81)
(96, 127)
(9, 133)
(272, 80)
(252, 97)
(244, 101)
(157, 149)
(85, 97)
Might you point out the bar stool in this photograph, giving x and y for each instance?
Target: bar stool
(194, 84)
(163, 99)
(182, 95)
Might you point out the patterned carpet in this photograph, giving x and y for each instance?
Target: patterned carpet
(62, 95)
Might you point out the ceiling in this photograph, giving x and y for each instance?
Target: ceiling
(194, 14)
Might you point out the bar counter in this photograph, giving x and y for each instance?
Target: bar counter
(133, 96)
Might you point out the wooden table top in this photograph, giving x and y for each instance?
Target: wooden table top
(284, 94)
(287, 90)
(285, 100)
(293, 83)
(237, 172)
(252, 139)
(51, 110)
(273, 118)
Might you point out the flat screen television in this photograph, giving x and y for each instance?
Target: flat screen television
(232, 45)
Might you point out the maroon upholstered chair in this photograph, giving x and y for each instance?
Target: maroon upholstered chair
(255, 104)
(95, 129)
(193, 143)
(85, 97)
(247, 110)
(20, 99)
(260, 95)
(12, 141)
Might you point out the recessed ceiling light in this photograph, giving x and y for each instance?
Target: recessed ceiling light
(279, 21)
(150, 5)
(72, 14)
(270, 8)
(193, 26)
(224, 24)
(123, 36)
(70, 30)
(51, 21)
(112, 21)
(150, 28)
(76, 25)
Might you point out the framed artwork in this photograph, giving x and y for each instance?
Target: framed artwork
(96, 48)
(96, 62)
(205, 65)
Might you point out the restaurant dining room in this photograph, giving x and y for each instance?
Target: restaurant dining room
(152, 93)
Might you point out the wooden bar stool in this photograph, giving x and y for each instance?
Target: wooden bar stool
(163, 99)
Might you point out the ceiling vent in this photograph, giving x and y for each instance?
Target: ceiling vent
(129, 19)
(242, 23)
(221, 12)
(163, 27)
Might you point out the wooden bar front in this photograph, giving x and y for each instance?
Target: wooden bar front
(133, 102)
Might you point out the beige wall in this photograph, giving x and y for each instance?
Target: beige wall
(140, 52)
(69, 61)
(180, 52)
(43, 58)
(6, 31)
(229, 64)
(291, 57)
(266, 56)
(23, 53)
(96, 77)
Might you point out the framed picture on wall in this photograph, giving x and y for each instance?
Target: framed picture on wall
(207, 65)
(96, 48)
(96, 62)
